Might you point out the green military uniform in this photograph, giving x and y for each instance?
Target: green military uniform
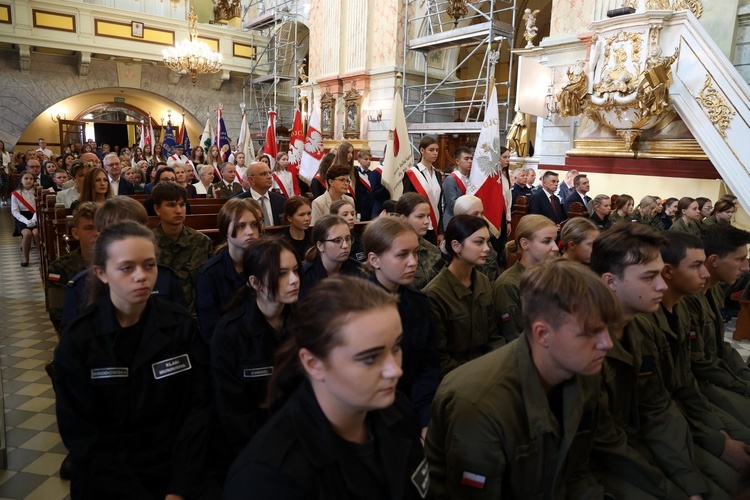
(717, 366)
(672, 335)
(493, 433)
(506, 296)
(222, 190)
(709, 221)
(656, 432)
(652, 222)
(430, 262)
(691, 228)
(60, 272)
(463, 318)
(491, 268)
(185, 256)
(614, 217)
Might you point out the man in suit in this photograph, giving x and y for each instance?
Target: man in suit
(581, 184)
(259, 181)
(119, 185)
(567, 186)
(544, 202)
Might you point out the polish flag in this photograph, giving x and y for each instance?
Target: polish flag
(398, 157)
(296, 146)
(485, 179)
(271, 148)
(142, 142)
(314, 150)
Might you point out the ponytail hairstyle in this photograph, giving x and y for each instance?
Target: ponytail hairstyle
(408, 203)
(320, 233)
(684, 204)
(576, 230)
(112, 234)
(380, 235)
(459, 228)
(334, 301)
(526, 229)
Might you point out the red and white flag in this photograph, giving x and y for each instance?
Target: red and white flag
(485, 179)
(271, 148)
(314, 149)
(398, 156)
(296, 146)
(142, 142)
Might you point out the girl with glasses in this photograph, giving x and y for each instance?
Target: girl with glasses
(330, 254)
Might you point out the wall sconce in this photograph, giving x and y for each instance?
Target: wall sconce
(376, 119)
(57, 118)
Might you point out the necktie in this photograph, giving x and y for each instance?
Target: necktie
(266, 217)
(552, 202)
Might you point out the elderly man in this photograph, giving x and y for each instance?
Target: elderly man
(35, 168)
(258, 187)
(119, 185)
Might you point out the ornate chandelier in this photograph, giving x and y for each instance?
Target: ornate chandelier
(191, 56)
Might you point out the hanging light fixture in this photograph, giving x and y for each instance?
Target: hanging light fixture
(191, 56)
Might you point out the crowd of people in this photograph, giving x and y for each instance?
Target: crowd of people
(417, 355)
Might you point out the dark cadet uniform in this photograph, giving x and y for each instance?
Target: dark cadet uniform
(297, 455)
(671, 332)
(506, 296)
(313, 272)
(494, 433)
(60, 273)
(168, 287)
(218, 281)
(185, 256)
(134, 404)
(242, 352)
(463, 318)
(717, 366)
(656, 432)
(429, 263)
(420, 361)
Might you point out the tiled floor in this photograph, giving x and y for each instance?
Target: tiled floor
(27, 341)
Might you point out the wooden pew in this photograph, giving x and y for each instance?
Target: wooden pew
(520, 209)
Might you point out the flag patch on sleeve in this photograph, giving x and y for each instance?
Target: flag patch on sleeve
(53, 277)
(505, 317)
(473, 480)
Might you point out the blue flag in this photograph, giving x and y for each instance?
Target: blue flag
(169, 141)
(185, 140)
(224, 140)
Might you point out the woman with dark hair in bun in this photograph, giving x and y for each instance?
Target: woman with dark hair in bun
(461, 297)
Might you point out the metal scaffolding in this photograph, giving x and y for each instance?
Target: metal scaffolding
(455, 103)
(275, 63)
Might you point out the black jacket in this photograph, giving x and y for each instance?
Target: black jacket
(277, 205)
(540, 204)
(297, 455)
(313, 272)
(420, 361)
(242, 351)
(136, 428)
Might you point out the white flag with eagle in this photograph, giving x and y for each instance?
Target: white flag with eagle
(314, 149)
(485, 179)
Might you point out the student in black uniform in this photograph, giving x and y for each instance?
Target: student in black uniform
(340, 428)
(248, 336)
(330, 255)
(240, 223)
(347, 211)
(392, 245)
(298, 215)
(132, 382)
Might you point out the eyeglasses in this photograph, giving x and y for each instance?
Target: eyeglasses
(345, 180)
(339, 241)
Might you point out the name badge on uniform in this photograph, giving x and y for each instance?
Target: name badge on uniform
(256, 372)
(114, 372)
(171, 366)
(360, 256)
(421, 478)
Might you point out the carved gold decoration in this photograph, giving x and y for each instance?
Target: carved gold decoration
(719, 111)
(224, 10)
(615, 77)
(327, 118)
(351, 118)
(457, 9)
(517, 140)
(695, 6)
(529, 18)
(571, 98)
(629, 136)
